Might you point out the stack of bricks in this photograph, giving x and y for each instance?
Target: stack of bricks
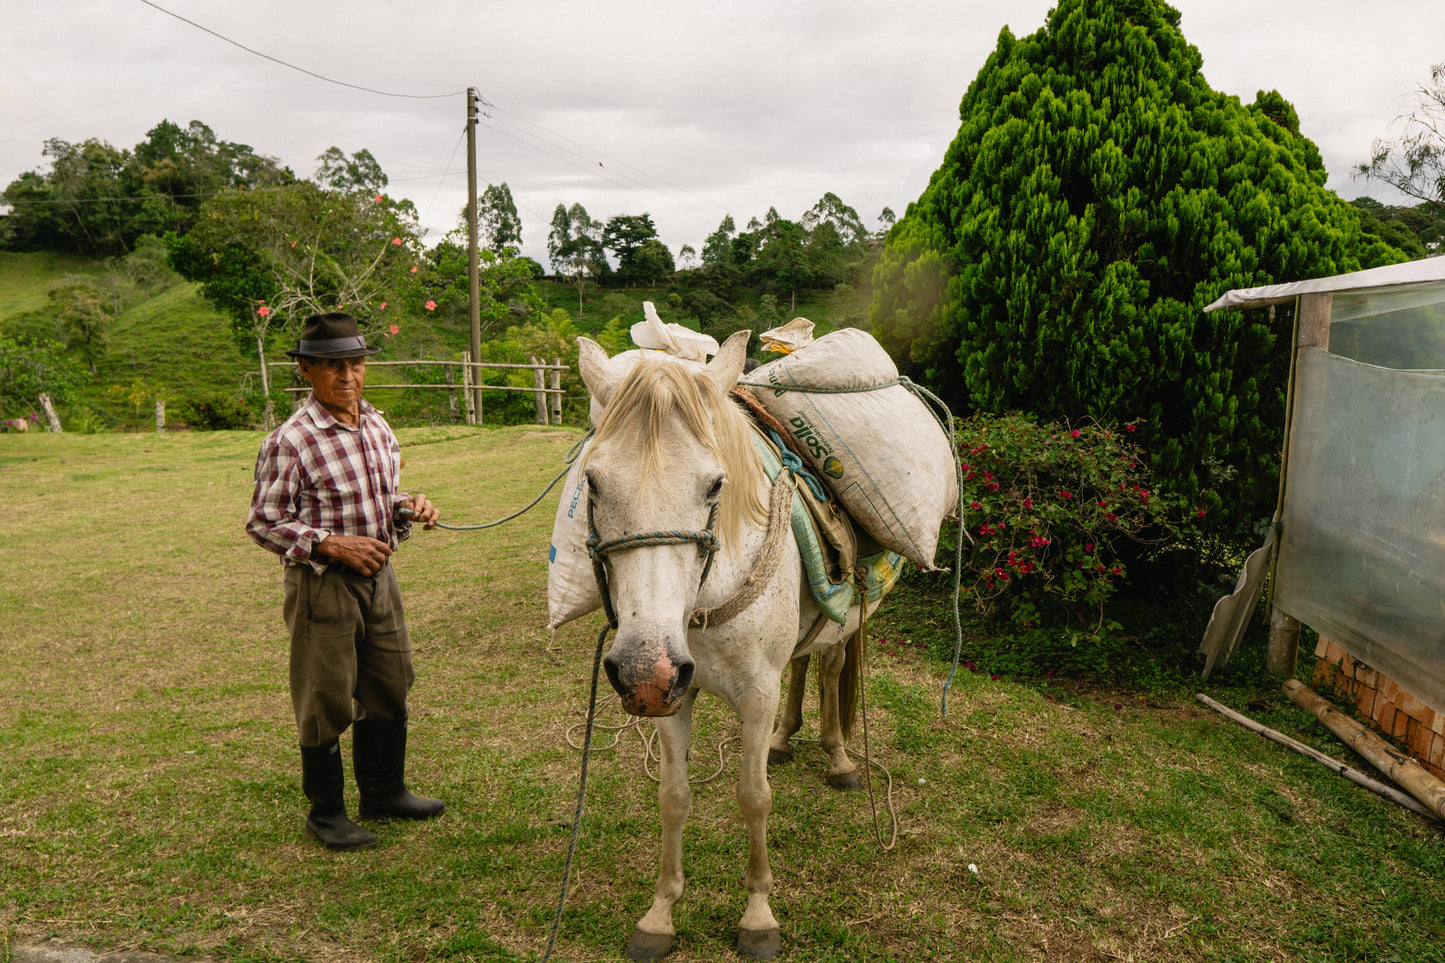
(1392, 710)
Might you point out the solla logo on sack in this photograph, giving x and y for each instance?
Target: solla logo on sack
(812, 439)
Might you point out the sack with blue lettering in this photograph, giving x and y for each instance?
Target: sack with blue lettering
(571, 585)
(876, 445)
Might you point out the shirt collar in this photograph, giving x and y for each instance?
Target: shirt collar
(323, 418)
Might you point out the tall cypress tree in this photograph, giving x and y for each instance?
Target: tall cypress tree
(1097, 196)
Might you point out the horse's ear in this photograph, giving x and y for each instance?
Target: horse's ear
(727, 365)
(597, 374)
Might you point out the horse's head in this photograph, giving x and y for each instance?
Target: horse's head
(661, 493)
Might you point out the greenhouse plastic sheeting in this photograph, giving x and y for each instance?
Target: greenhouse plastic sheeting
(1362, 555)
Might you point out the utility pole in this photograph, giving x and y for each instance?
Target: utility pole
(472, 271)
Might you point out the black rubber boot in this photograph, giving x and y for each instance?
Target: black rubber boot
(325, 786)
(378, 749)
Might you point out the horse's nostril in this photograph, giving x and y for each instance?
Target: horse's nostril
(614, 675)
(684, 678)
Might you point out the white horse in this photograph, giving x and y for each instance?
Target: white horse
(703, 581)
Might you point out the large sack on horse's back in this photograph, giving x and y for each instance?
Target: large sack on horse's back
(571, 585)
(873, 442)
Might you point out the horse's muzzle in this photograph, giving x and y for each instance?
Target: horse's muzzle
(649, 686)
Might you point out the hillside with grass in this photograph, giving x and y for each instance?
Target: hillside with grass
(164, 340)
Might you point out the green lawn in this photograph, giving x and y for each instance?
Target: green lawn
(150, 797)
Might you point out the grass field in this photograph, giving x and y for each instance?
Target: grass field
(150, 792)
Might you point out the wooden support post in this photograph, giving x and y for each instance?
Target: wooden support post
(160, 416)
(557, 392)
(452, 393)
(1282, 655)
(1405, 771)
(539, 381)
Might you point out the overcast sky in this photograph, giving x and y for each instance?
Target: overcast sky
(685, 110)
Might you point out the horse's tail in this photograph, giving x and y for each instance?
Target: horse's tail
(850, 681)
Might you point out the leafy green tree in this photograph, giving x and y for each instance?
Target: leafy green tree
(98, 199)
(847, 225)
(575, 247)
(717, 248)
(504, 281)
(30, 368)
(1097, 196)
(499, 226)
(1414, 162)
(359, 172)
(624, 236)
(652, 262)
(85, 316)
(268, 258)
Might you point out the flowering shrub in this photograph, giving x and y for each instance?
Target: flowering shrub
(1045, 508)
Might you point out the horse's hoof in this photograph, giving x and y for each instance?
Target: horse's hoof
(759, 944)
(776, 757)
(848, 781)
(648, 947)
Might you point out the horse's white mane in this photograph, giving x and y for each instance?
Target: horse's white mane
(655, 393)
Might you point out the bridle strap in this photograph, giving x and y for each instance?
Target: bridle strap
(779, 507)
(598, 550)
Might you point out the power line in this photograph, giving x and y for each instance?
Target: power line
(309, 73)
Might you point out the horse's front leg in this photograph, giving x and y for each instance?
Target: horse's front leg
(758, 934)
(780, 749)
(654, 935)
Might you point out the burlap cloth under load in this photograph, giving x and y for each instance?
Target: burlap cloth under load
(837, 536)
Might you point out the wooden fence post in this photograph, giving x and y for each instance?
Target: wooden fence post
(470, 397)
(50, 416)
(557, 389)
(540, 382)
(160, 415)
(451, 394)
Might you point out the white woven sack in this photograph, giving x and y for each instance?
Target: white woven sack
(571, 584)
(881, 451)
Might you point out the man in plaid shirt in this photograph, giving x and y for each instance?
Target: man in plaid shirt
(328, 501)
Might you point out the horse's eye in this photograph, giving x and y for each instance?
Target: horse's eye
(716, 488)
(593, 489)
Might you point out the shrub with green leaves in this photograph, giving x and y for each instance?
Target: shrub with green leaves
(1048, 513)
(217, 412)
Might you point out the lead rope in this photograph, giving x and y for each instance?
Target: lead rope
(581, 795)
(859, 577)
(571, 457)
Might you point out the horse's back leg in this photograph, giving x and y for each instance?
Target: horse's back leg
(780, 749)
(837, 691)
(654, 935)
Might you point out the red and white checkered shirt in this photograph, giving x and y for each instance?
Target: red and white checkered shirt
(316, 476)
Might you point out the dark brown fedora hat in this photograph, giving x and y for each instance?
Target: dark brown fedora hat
(332, 335)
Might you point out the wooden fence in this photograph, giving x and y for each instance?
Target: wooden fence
(547, 384)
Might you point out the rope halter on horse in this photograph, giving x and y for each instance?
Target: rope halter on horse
(780, 503)
(706, 539)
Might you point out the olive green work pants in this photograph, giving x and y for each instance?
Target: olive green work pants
(350, 656)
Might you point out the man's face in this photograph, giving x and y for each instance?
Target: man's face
(336, 381)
